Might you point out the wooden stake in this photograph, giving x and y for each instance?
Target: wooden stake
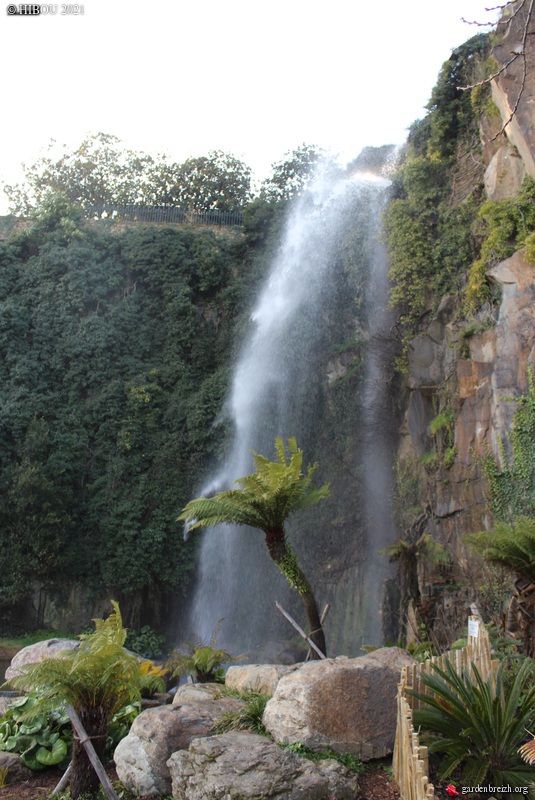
(300, 631)
(64, 781)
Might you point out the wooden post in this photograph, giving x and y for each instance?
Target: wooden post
(300, 631)
(91, 754)
(63, 781)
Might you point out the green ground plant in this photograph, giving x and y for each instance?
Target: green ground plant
(349, 760)
(201, 660)
(246, 719)
(45, 741)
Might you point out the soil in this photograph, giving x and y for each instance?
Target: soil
(375, 784)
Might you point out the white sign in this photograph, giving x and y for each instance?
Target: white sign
(473, 628)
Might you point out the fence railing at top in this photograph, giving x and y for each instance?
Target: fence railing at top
(162, 214)
(410, 762)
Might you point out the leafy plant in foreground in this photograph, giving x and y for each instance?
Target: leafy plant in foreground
(478, 725)
(43, 742)
(97, 679)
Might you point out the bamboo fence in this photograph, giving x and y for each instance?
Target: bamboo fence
(410, 762)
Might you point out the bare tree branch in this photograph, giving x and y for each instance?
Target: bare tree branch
(519, 52)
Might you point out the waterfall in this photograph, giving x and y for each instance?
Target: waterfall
(324, 296)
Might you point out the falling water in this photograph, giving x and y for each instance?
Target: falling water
(277, 388)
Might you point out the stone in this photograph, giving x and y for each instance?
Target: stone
(261, 678)
(504, 174)
(245, 766)
(521, 129)
(198, 693)
(17, 770)
(348, 704)
(141, 757)
(35, 653)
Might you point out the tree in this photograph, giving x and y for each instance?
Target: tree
(97, 679)
(217, 181)
(100, 170)
(264, 500)
(291, 175)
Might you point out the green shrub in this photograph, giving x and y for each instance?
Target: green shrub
(477, 726)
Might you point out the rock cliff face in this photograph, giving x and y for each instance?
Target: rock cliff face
(475, 372)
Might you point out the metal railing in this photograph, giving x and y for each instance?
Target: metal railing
(162, 214)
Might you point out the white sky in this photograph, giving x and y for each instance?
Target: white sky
(254, 80)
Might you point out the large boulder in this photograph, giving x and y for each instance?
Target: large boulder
(261, 678)
(141, 757)
(198, 693)
(245, 766)
(348, 704)
(35, 653)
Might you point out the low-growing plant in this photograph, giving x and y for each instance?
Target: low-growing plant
(45, 741)
(152, 678)
(478, 725)
(246, 719)
(350, 761)
(201, 660)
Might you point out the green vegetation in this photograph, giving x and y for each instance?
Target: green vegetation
(248, 718)
(430, 220)
(97, 680)
(264, 500)
(507, 226)
(512, 479)
(350, 761)
(477, 726)
(202, 661)
(44, 742)
(146, 642)
(102, 171)
(114, 355)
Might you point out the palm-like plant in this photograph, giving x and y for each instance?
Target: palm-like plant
(264, 500)
(513, 546)
(479, 725)
(96, 680)
(202, 660)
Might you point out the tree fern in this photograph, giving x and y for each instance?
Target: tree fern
(264, 500)
(97, 679)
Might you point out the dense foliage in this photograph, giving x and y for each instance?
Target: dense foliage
(430, 221)
(102, 171)
(114, 351)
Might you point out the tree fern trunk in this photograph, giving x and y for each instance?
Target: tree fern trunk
(284, 557)
(84, 779)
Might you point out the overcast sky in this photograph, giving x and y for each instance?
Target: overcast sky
(254, 79)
